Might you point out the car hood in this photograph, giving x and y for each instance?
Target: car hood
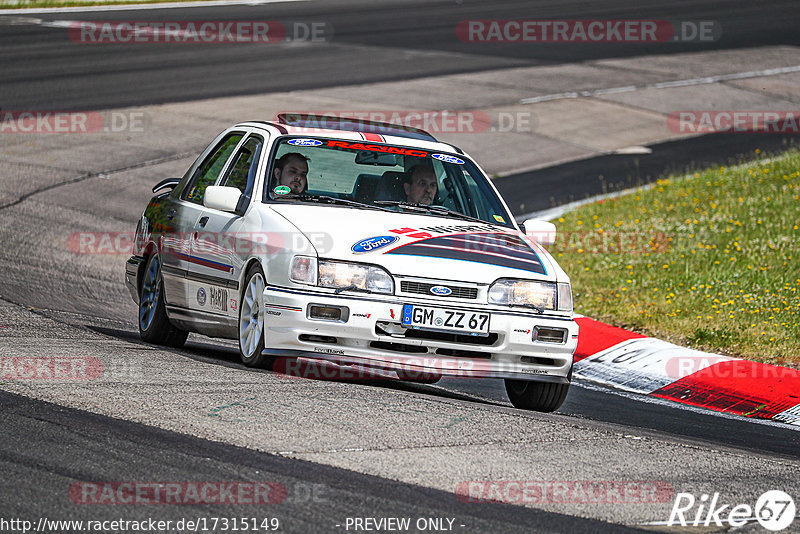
(422, 245)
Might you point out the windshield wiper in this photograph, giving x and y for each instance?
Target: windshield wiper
(452, 213)
(429, 208)
(350, 288)
(531, 306)
(332, 200)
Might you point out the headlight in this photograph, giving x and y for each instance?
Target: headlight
(340, 275)
(564, 297)
(343, 275)
(523, 293)
(303, 270)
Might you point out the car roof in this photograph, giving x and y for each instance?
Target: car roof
(355, 129)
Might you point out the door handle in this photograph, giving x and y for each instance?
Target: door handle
(202, 222)
(171, 214)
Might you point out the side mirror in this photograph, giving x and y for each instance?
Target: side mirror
(542, 232)
(223, 198)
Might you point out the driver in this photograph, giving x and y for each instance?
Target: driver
(421, 185)
(291, 170)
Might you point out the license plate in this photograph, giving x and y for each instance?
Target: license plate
(474, 323)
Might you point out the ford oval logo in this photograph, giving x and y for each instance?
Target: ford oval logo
(441, 290)
(373, 243)
(448, 158)
(305, 142)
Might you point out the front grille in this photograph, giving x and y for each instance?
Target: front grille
(538, 360)
(424, 288)
(398, 347)
(397, 330)
(456, 353)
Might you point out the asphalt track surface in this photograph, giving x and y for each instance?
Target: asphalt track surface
(370, 41)
(46, 447)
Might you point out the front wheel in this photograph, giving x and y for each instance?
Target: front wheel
(154, 325)
(537, 396)
(251, 320)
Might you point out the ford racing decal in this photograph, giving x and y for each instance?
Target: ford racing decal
(378, 148)
(304, 142)
(448, 159)
(505, 250)
(373, 243)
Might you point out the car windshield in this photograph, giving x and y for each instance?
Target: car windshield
(382, 176)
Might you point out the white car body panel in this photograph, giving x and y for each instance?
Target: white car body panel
(272, 233)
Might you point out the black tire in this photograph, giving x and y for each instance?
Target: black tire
(537, 396)
(154, 325)
(421, 377)
(250, 349)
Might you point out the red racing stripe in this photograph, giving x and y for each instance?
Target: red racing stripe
(741, 387)
(596, 336)
(373, 137)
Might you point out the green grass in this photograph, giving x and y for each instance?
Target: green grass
(711, 261)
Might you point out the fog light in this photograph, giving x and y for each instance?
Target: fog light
(325, 313)
(549, 335)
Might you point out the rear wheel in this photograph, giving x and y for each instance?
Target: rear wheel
(251, 320)
(537, 396)
(154, 325)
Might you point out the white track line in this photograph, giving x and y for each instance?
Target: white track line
(132, 6)
(663, 85)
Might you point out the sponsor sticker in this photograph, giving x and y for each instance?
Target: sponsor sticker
(378, 148)
(373, 243)
(219, 299)
(201, 297)
(448, 159)
(499, 218)
(282, 190)
(304, 142)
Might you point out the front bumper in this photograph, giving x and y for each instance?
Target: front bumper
(370, 333)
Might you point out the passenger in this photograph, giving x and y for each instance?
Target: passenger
(291, 170)
(421, 186)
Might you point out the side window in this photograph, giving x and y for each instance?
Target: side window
(209, 170)
(242, 171)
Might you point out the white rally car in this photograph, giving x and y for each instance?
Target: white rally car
(303, 241)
